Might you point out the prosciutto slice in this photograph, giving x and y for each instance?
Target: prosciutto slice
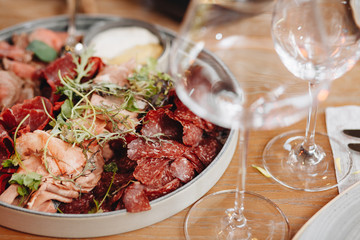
(37, 108)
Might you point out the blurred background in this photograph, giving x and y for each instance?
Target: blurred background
(168, 13)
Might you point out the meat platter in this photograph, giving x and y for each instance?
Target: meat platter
(49, 220)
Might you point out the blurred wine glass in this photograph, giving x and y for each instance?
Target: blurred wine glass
(227, 71)
(318, 41)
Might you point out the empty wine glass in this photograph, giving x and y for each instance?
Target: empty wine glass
(227, 71)
(318, 41)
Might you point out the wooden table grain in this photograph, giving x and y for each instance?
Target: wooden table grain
(297, 205)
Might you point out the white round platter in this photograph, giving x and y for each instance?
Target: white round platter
(339, 219)
(116, 222)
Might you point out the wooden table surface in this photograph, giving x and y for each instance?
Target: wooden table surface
(298, 206)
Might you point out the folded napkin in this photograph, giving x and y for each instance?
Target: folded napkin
(337, 119)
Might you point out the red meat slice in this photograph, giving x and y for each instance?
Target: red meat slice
(139, 149)
(6, 144)
(65, 66)
(195, 161)
(4, 178)
(153, 172)
(14, 52)
(184, 115)
(158, 121)
(11, 118)
(153, 193)
(134, 198)
(182, 169)
(22, 70)
(97, 66)
(192, 135)
(207, 150)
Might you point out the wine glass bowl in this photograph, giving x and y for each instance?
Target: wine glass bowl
(256, 92)
(317, 41)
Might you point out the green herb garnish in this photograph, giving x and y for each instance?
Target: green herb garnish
(28, 182)
(43, 51)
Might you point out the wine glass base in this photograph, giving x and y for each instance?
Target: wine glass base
(208, 218)
(283, 163)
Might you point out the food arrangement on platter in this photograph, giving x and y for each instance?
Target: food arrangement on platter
(82, 135)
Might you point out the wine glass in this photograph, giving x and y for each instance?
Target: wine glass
(318, 41)
(227, 71)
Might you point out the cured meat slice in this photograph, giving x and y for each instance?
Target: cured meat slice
(153, 172)
(153, 193)
(13, 52)
(182, 169)
(184, 115)
(207, 150)
(4, 178)
(134, 198)
(11, 118)
(22, 70)
(119, 181)
(158, 122)
(80, 205)
(97, 66)
(65, 66)
(198, 165)
(192, 135)
(117, 74)
(56, 40)
(6, 144)
(10, 89)
(139, 149)
(20, 40)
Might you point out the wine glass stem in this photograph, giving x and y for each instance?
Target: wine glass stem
(241, 177)
(309, 140)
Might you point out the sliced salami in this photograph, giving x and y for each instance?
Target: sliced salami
(139, 149)
(182, 169)
(153, 193)
(192, 134)
(153, 172)
(207, 150)
(135, 199)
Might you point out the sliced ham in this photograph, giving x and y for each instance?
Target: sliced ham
(14, 52)
(125, 119)
(117, 74)
(54, 39)
(10, 89)
(22, 70)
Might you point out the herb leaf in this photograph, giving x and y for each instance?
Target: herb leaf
(43, 51)
(28, 182)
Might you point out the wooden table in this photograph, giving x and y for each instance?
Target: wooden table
(297, 205)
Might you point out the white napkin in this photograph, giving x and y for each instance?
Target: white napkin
(337, 119)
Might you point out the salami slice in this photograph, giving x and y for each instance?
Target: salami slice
(134, 198)
(153, 172)
(153, 193)
(207, 150)
(139, 149)
(182, 169)
(158, 122)
(192, 135)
